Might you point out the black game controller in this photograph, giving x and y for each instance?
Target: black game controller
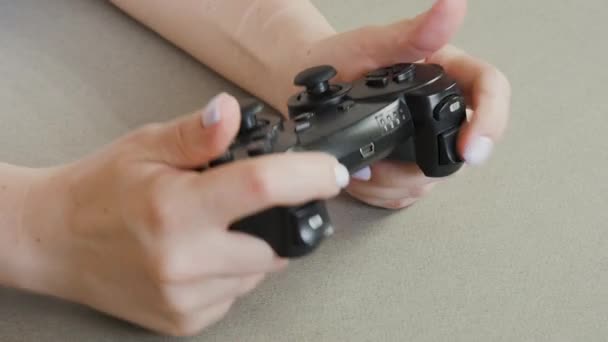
(405, 112)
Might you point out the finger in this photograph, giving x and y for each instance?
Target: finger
(407, 40)
(428, 32)
(371, 190)
(383, 203)
(193, 323)
(489, 92)
(236, 190)
(195, 296)
(250, 283)
(216, 253)
(192, 140)
(393, 174)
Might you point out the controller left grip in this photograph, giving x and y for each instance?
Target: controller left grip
(290, 231)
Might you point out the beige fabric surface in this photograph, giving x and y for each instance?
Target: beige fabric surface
(514, 251)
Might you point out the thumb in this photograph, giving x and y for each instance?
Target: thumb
(192, 140)
(407, 40)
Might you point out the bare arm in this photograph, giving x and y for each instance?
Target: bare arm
(255, 44)
(14, 186)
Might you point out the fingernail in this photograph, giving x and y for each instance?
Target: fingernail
(364, 174)
(211, 113)
(478, 151)
(342, 175)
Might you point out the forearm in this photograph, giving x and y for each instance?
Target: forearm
(256, 44)
(33, 239)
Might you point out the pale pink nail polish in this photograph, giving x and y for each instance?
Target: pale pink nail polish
(211, 113)
(364, 174)
(479, 151)
(342, 175)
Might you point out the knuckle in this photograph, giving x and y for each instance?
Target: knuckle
(258, 182)
(420, 191)
(166, 270)
(158, 218)
(250, 284)
(221, 311)
(182, 146)
(177, 305)
(163, 271)
(187, 325)
(183, 326)
(498, 79)
(399, 203)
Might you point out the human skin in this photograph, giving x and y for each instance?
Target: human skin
(119, 229)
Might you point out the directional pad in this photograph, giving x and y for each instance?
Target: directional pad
(378, 73)
(259, 147)
(377, 82)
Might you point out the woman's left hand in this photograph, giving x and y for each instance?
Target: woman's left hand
(424, 38)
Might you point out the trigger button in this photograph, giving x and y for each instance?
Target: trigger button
(447, 147)
(448, 107)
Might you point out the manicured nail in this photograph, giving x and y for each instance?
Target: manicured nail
(479, 151)
(342, 175)
(211, 114)
(364, 174)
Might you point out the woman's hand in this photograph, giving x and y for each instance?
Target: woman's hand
(423, 38)
(133, 232)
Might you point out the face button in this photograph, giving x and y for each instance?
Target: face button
(259, 135)
(249, 120)
(448, 107)
(303, 117)
(312, 229)
(447, 147)
(346, 105)
(302, 126)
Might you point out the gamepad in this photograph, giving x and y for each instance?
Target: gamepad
(405, 112)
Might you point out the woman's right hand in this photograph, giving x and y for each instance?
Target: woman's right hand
(133, 232)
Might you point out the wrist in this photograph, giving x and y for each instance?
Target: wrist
(36, 256)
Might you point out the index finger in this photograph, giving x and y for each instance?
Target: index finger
(237, 190)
